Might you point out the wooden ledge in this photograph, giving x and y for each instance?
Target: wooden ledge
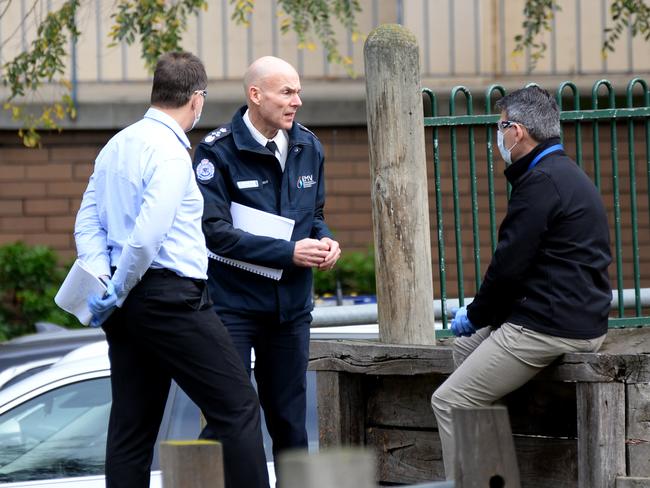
(624, 358)
(369, 357)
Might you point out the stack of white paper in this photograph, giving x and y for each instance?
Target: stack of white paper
(78, 286)
(261, 224)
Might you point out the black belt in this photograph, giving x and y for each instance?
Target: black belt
(168, 273)
(163, 272)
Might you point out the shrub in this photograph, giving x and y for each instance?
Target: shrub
(356, 272)
(29, 278)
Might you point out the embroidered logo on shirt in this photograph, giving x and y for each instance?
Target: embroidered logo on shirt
(205, 170)
(306, 181)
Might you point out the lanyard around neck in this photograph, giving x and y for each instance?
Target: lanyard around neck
(548, 150)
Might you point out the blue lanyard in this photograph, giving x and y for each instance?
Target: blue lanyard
(548, 150)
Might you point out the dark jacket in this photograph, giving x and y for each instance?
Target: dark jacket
(549, 270)
(232, 166)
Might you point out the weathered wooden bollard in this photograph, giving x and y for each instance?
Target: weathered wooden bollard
(337, 468)
(485, 450)
(601, 450)
(192, 464)
(400, 205)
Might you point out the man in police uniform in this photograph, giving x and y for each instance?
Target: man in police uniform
(265, 160)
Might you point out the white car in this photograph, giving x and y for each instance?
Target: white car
(54, 416)
(53, 424)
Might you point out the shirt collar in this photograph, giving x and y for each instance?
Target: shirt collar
(519, 167)
(280, 139)
(167, 120)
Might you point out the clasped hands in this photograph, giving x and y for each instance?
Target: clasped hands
(461, 325)
(102, 306)
(321, 254)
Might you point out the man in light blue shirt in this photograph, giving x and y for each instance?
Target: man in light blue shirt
(139, 229)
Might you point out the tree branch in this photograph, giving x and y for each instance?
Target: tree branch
(22, 22)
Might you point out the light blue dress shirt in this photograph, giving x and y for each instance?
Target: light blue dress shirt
(142, 207)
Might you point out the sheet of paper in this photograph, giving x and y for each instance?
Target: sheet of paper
(78, 286)
(259, 223)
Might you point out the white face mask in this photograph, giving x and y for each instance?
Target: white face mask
(196, 121)
(505, 153)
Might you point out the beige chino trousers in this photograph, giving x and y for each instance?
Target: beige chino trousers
(491, 363)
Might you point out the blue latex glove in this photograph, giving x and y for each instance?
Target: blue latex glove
(102, 306)
(452, 312)
(461, 325)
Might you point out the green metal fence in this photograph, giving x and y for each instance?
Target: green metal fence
(469, 140)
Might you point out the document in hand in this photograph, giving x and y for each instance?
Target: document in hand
(78, 286)
(261, 224)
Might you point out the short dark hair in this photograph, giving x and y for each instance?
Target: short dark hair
(535, 109)
(177, 76)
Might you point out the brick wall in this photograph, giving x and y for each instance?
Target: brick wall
(41, 189)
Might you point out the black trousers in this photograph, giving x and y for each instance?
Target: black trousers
(281, 357)
(168, 329)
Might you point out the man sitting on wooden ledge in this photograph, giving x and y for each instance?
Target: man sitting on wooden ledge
(546, 291)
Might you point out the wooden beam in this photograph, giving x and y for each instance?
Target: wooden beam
(638, 430)
(374, 358)
(601, 434)
(407, 456)
(632, 482)
(341, 409)
(192, 464)
(339, 468)
(485, 450)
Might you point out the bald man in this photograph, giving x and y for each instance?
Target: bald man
(264, 159)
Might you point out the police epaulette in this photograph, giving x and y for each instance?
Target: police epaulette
(215, 135)
(305, 129)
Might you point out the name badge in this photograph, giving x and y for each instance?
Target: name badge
(242, 185)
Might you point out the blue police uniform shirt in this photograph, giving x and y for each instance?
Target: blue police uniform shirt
(232, 165)
(142, 207)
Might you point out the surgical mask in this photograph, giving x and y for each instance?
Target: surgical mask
(505, 153)
(196, 121)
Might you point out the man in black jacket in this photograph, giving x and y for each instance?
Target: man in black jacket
(546, 291)
(264, 159)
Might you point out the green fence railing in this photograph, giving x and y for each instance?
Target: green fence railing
(468, 171)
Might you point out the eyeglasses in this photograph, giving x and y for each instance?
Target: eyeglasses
(203, 93)
(504, 124)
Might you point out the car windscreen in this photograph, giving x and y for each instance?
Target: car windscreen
(61, 433)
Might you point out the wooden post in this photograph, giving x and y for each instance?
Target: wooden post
(339, 468)
(638, 429)
(400, 206)
(344, 422)
(485, 450)
(601, 434)
(192, 464)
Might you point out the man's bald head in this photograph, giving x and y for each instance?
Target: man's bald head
(272, 94)
(263, 68)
